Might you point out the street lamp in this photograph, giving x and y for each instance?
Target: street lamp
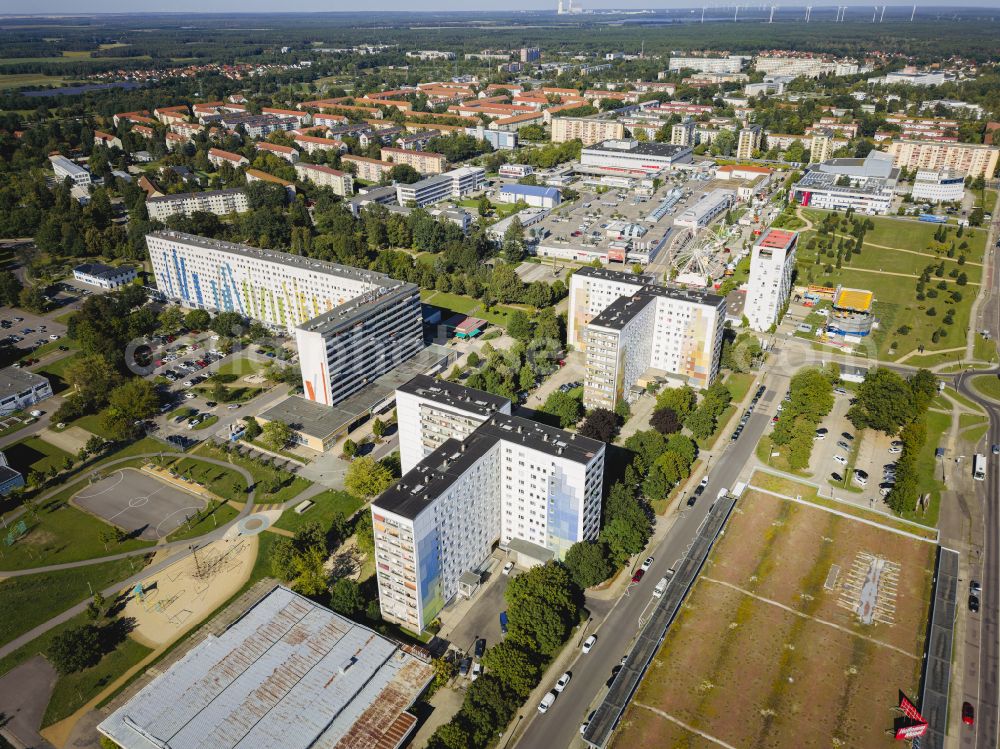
(513, 731)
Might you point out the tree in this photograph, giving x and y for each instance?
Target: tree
(451, 735)
(365, 534)
(367, 478)
(682, 400)
(229, 324)
(513, 666)
(133, 401)
(96, 607)
(308, 570)
(648, 445)
(519, 327)
(92, 378)
(32, 299)
(253, 429)
(276, 434)
(884, 402)
(600, 424)
(542, 607)
(346, 598)
(171, 320)
(513, 242)
(665, 420)
(350, 448)
(587, 563)
(404, 173)
(75, 649)
(197, 319)
(10, 289)
(626, 534)
(565, 408)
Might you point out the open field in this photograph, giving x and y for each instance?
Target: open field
(20, 80)
(770, 650)
(273, 484)
(988, 385)
(466, 305)
(892, 258)
(35, 454)
(326, 506)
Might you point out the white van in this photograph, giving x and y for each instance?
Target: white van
(660, 588)
(547, 701)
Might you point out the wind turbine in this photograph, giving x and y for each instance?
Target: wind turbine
(874, 14)
(736, 14)
(703, 14)
(913, 13)
(883, 14)
(809, 10)
(771, 19)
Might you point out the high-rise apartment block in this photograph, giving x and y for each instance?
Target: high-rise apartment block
(749, 140)
(628, 325)
(821, 145)
(424, 162)
(534, 489)
(682, 134)
(730, 64)
(350, 325)
(772, 263)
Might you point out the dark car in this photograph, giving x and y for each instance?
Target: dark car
(692, 499)
(638, 575)
(480, 647)
(836, 476)
(973, 604)
(463, 667)
(968, 714)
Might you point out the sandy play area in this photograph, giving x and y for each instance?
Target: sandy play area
(180, 597)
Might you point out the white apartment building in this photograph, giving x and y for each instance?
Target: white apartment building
(811, 67)
(534, 489)
(970, 159)
(820, 145)
(591, 291)
(772, 263)
(938, 186)
(218, 157)
(287, 153)
(588, 131)
(219, 202)
(454, 184)
(670, 333)
(730, 64)
(64, 168)
(342, 183)
(20, 389)
(370, 170)
(312, 144)
(430, 411)
(515, 171)
(350, 325)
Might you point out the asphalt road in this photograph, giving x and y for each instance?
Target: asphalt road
(560, 726)
(981, 686)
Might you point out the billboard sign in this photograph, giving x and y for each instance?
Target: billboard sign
(911, 732)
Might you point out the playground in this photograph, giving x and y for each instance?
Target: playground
(179, 597)
(138, 503)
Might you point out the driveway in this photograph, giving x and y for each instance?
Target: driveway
(24, 695)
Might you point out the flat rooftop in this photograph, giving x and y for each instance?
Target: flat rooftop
(452, 394)
(323, 422)
(432, 476)
(15, 380)
(777, 239)
(854, 300)
(641, 148)
(606, 274)
(621, 311)
(289, 673)
(206, 194)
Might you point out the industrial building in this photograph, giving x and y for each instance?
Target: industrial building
(104, 276)
(10, 478)
(219, 202)
(351, 325)
(772, 263)
(533, 488)
(634, 157)
(866, 185)
(709, 207)
(20, 389)
(286, 673)
(534, 196)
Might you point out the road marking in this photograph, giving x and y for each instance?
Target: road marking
(684, 725)
(789, 609)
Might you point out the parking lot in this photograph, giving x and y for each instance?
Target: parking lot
(852, 462)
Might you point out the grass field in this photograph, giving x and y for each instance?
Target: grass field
(35, 80)
(466, 305)
(223, 482)
(55, 371)
(35, 454)
(764, 654)
(265, 477)
(241, 366)
(903, 247)
(988, 385)
(209, 522)
(326, 507)
(973, 427)
(32, 599)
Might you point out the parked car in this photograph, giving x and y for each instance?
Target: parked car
(840, 459)
(836, 476)
(968, 714)
(563, 681)
(647, 564)
(973, 603)
(507, 568)
(847, 436)
(477, 670)
(464, 665)
(480, 647)
(975, 587)
(843, 445)
(637, 577)
(589, 643)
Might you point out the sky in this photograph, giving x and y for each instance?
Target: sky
(279, 6)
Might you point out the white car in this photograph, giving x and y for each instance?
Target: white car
(547, 702)
(563, 681)
(589, 643)
(36, 413)
(840, 459)
(583, 726)
(477, 671)
(647, 564)
(53, 337)
(189, 396)
(895, 450)
(507, 568)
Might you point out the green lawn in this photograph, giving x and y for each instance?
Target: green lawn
(988, 385)
(210, 520)
(466, 305)
(895, 296)
(738, 384)
(288, 486)
(50, 346)
(35, 454)
(56, 370)
(185, 411)
(92, 423)
(206, 423)
(984, 350)
(325, 507)
(929, 470)
(35, 80)
(32, 599)
(240, 365)
(223, 482)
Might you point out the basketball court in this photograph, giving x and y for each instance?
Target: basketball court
(138, 503)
